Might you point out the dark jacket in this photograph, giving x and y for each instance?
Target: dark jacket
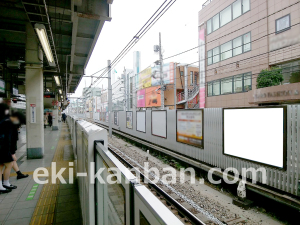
(6, 131)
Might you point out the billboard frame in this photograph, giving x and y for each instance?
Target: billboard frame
(284, 168)
(166, 123)
(144, 111)
(202, 146)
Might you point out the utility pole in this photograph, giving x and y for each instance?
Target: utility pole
(161, 75)
(186, 92)
(109, 99)
(124, 80)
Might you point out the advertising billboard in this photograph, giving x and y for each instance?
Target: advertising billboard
(141, 98)
(116, 118)
(168, 74)
(190, 127)
(141, 121)
(145, 78)
(159, 123)
(153, 98)
(129, 120)
(256, 134)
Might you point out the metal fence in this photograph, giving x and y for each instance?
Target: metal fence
(212, 154)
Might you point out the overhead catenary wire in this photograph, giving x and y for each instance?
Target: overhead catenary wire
(140, 33)
(216, 38)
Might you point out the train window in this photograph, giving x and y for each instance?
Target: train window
(143, 220)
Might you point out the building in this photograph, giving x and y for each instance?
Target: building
(240, 38)
(184, 77)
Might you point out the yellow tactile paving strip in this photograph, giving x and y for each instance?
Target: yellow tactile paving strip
(44, 212)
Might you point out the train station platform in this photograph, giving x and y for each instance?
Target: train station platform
(33, 203)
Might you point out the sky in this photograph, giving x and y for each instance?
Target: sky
(178, 27)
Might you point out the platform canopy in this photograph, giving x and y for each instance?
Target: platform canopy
(72, 28)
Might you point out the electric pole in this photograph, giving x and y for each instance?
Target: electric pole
(109, 99)
(125, 94)
(161, 75)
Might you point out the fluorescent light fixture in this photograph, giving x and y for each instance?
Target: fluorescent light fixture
(41, 33)
(57, 80)
(60, 91)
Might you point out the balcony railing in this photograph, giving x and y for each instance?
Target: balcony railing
(193, 90)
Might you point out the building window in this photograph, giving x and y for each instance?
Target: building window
(291, 72)
(196, 78)
(209, 57)
(238, 84)
(230, 13)
(226, 50)
(209, 89)
(216, 87)
(192, 77)
(225, 16)
(226, 86)
(246, 5)
(229, 49)
(208, 26)
(283, 23)
(247, 42)
(216, 22)
(236, 9)
(216, 54)
(181, 73)
(247, 82)
(234, 84)
(237, 45)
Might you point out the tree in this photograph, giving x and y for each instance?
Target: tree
(269, 77)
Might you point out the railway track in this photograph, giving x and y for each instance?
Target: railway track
(164, 192)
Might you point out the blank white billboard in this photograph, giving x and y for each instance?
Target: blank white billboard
(255, 134)
(141, 121)
(159, 123)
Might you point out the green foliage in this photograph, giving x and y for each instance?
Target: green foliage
(295, 77)
(269, 77)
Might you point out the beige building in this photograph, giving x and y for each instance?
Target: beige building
(243, 37)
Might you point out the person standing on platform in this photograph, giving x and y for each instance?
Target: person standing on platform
(17, 119)
(6, 159)
(64, 117)
(50, 120)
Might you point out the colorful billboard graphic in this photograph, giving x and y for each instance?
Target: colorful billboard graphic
(141, 98)
(189, 127)
(168, 74)
(153, 97)
(145, 78)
